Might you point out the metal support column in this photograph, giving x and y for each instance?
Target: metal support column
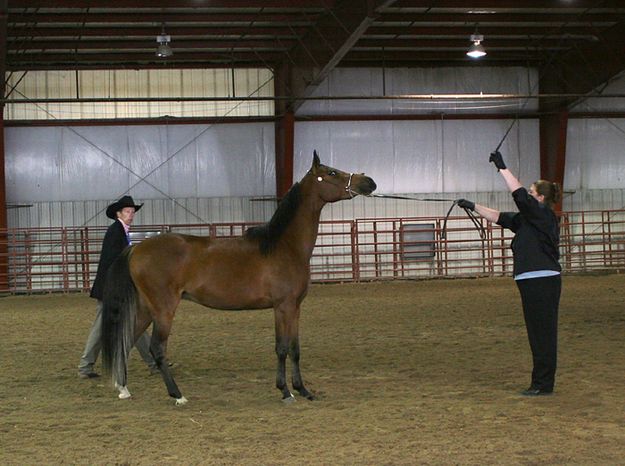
(553, 148)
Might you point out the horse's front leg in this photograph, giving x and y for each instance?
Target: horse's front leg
(287, 343)
(298, 383)
(283, 341)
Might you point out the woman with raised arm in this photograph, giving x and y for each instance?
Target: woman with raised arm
(536, 268)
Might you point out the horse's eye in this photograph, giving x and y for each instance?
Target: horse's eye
(332, 173)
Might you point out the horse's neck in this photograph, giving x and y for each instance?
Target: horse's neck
(303, 230)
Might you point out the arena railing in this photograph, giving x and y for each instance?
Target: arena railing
(65, 259)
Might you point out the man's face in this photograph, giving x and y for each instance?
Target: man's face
(126, 215)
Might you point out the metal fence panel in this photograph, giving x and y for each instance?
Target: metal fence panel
(65, 259)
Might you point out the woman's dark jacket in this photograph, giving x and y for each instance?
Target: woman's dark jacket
(115, 241)
(537, 234)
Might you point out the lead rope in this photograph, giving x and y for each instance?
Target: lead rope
(476, 222)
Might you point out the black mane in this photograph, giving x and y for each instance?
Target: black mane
(268, 234)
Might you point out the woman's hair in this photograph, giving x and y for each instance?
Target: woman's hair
(551, 191)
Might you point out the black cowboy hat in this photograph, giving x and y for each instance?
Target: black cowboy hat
(126, 201)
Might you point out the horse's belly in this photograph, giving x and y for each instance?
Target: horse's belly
(243, 281)
(227, 303)
(232, 294)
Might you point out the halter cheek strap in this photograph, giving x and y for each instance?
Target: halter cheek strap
(348, 188)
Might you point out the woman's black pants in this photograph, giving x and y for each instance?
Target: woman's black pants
(541, 298)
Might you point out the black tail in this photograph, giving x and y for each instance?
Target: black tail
(118, 318)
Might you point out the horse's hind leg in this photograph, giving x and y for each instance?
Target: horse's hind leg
(141, 325)
(298, 383)
(158, 348)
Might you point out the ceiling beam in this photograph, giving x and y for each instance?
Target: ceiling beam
(461, 4)
(151, 30)
(584, 69)
(137, 60)
(303, 17)
(225, 45)
(521, 29)
(508, 4)
(572, 17)
(170, 4)
(318, 53)
(158, 17)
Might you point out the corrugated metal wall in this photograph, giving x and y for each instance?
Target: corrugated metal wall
(209, 173)
(421, 156)
(246, 209)
(154, 212)
(57, 84)
(424, 82)
(152, 162)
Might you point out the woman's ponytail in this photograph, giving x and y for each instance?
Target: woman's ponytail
(551, 191)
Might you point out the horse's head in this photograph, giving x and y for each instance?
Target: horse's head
(334, 185)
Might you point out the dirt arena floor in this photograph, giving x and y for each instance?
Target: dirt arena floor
(424, 372)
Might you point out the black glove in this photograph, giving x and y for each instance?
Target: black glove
(466, 204)
(497, 159)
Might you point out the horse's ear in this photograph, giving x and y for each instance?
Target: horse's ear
(316, 161)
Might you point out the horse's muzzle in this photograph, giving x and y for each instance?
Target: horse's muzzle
(365, 186)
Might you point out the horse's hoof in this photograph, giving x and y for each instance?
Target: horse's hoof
(124, 394)
(181, 401)
(288, 399)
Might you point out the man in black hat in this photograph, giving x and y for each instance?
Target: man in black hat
(115, 241)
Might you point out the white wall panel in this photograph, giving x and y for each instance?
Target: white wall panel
(104, 162)
(421, 156)
(95, 162)
(594, 199)
(32, 158)
(595, 155)
(417, 160)
(467, 145)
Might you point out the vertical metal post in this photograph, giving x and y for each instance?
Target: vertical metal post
(353, 230)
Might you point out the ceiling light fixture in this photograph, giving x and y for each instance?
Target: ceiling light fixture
(476, 50)
(163, 50)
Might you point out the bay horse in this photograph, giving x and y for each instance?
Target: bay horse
(269, 266)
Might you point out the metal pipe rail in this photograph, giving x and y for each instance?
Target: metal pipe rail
(65, 259)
